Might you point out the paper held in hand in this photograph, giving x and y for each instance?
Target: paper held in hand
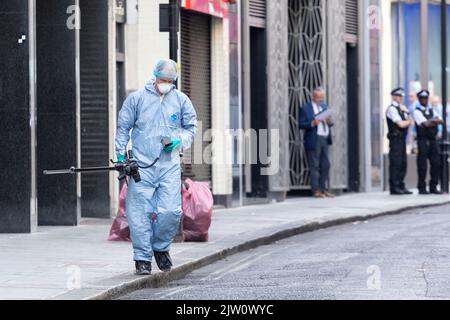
(324, 115)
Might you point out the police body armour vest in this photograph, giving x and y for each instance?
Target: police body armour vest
(394, 130)
(428, 133)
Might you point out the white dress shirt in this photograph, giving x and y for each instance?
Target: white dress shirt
(420, 118)
(392, 112)
(322, 130)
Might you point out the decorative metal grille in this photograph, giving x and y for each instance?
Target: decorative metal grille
(257, 9)
(351, 17)
(306, 67)
(257, 12)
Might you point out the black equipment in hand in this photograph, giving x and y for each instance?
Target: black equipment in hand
(128, 168)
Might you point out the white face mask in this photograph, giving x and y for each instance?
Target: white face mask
(164, 88)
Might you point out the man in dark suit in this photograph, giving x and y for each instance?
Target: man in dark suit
(317, 140)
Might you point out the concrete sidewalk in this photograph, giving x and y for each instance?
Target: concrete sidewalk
(53, 262)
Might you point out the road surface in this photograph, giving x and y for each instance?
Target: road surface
(405, 256)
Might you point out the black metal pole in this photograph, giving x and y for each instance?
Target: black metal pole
(74, 170)
(445, 175)
(173, 33)
(173, 36)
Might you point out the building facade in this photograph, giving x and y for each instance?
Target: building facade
(68, 89)
(303, 45)
(248, 66)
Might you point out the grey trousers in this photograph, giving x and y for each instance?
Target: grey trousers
(319, 165)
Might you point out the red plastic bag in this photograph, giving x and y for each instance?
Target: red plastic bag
(120, 231)
(197, 210)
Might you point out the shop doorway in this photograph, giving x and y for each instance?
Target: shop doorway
(196, 83)
(258, 104)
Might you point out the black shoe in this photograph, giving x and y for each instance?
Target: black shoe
(143, 268)
(163, 261)
(397, 192)
(407, 192)
(436, 191)
(423, 192)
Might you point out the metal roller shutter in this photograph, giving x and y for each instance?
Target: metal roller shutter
(257, 13)
(351, 21)
(94, 106)
(196, 80)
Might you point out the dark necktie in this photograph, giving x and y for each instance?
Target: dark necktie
(321, 123)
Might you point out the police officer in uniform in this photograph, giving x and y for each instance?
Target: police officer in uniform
(427, 122)
(399, 121)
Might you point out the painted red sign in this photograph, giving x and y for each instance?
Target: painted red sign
(216, 8)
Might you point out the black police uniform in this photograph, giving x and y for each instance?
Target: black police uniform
(397, 148)
(428, 148)
(397, 152)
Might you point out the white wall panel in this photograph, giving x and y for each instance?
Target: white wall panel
(221, 139)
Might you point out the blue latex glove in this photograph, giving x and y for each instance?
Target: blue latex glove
(171, 147)
(121, 158)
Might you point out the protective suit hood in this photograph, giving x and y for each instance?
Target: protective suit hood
(150, 86)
